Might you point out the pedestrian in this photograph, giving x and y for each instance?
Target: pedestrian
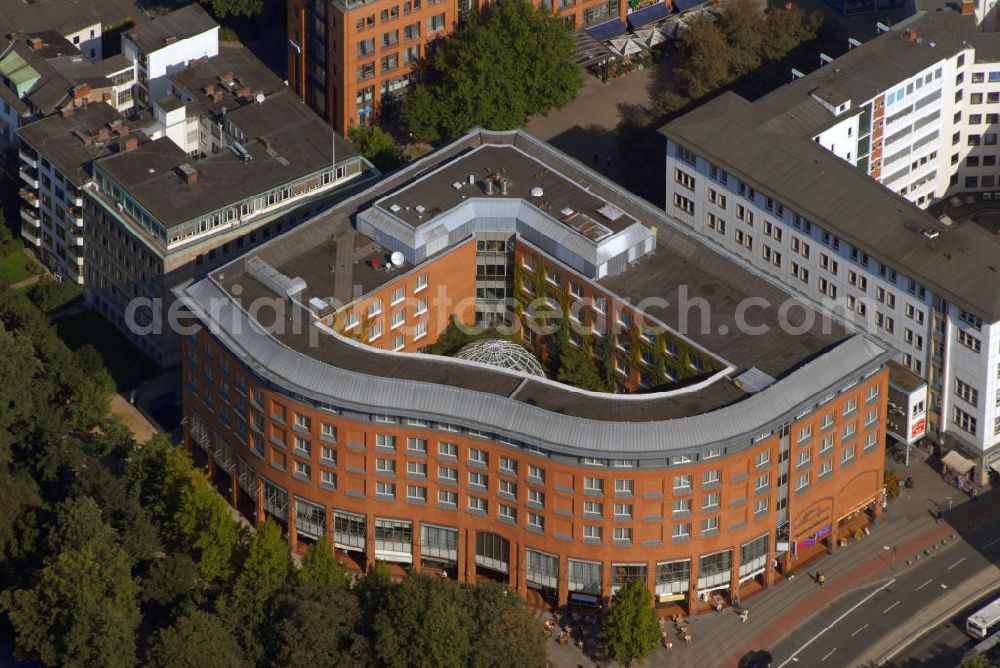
(821, 579)
(745, 615)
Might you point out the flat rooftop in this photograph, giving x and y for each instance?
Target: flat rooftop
(564, 196)
(66, 16)
(163, 30)
(285, 139)
(314, 252)
(71, 142)
(769, 145)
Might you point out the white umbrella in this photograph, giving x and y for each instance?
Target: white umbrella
(618, 46)
(632, 47)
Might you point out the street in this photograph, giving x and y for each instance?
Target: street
(845, 633)
(945, 644)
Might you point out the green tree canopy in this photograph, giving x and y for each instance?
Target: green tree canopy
(313, 623)
(83, 610)
(220, 9)
(320, 565)
(78, 521)
(504, 632)
(196, 639)
(632, 628)
(377, 145)
(977, 661)
(422, 626)
(267, 567)
(578, 369)
(508, 62)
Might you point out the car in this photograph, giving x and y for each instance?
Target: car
(757, 659)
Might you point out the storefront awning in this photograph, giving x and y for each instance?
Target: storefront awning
(685, 5)
(957, 463)
(607, 30)
(648, 14)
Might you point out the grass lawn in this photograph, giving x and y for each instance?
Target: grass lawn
(127, 365)
(16, 267)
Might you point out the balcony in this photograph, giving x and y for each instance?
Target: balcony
(76, 214)
(31, 237)
(27, 159)
(30, 177)
(30, 216)
(29, 196)
(78, 202)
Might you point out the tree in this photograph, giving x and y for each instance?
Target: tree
(377, 145)
(508, 62)
(743, 25)
(785, 28)
(267, 567)
(198, 638)
(50, 295)
(83, 610)
(702, 71)
(78, 521)
(420, 114)
(170, 580)
(578, 370)
(505, 632)
(422, 626)
(220, 9)
(631, 625)
(977, 660)
(314, 623)
(319, 566)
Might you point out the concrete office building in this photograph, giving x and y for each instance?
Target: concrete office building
(823, 184)
(352, 60)
(722, 452)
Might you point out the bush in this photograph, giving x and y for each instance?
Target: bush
(377, 145)
(50, 295)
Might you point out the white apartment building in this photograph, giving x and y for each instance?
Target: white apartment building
(782, 183)
(166, 45)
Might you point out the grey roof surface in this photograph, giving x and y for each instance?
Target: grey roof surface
(773, 154)
(66, 16)
(301, 144)
(179, 24)
(711, 410)
(58, 139)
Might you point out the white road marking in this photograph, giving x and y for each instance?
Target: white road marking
(890, 608)
(859, 630)
(956, 563)
(991, 543)
(923, 585)
(828, 654)
(836, 621)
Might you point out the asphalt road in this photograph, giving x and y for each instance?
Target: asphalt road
(842, 633)
(944, 645)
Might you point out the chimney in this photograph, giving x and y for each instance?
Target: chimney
(968, 7)
(81, 91)
(910, 35)
(244, 93)
(188, 174)
(130, 143)
(36, 43)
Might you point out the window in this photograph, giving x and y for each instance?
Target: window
(446, 498)
(804, 458)
(328, 432)
(717, 198)
(763, 481)
(385, 465)
(302, 469)
(509, 488)
(593, 508)
(872, 417)
(709, 525)
(593, 485)
(508, 465)
(805, 433)
(507, 512)
(802, 482)
(848, 431)
(477, 504)
(303, 446)
(477, 456)
(375, 331)
(965, 421)
(416, 444)
(682, 506)
(624, 486)
(710, 477)
(847, 456)
(385, 441)
(969, 341)
(328, 455)
(420, 283)
(623, 510)
(683, 178)
(536, 472)
(435, 24)
(448, 473)
(446, 449)
(685, 155)
(536, 497)
(416, 493)
(623, 534)
(681, 531)
(328, 478)
(684, 204)
(682, 483)
(760, 506)
(763, 458)
(478, 479)
(591, 532)
(536, 521)
(710, 501)
(416, 469)
(850, 406)
(386, 489)
(825, 446)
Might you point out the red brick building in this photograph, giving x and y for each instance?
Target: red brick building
(720, 455)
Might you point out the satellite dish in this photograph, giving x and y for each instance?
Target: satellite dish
(397, 258)
(537, 192)
(260, 98)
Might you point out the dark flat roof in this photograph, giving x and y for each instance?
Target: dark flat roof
(301, 144)
(177, 25)
(66, 16)
(58, 139)
(679, 260)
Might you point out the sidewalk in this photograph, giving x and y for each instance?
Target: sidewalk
(722, 640)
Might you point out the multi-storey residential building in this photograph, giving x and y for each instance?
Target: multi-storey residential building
(725, 449)
(221, 159)
(351, 60)
(823, 182)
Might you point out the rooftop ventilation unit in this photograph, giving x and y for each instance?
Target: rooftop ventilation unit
(932, 234)
(537, 192)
